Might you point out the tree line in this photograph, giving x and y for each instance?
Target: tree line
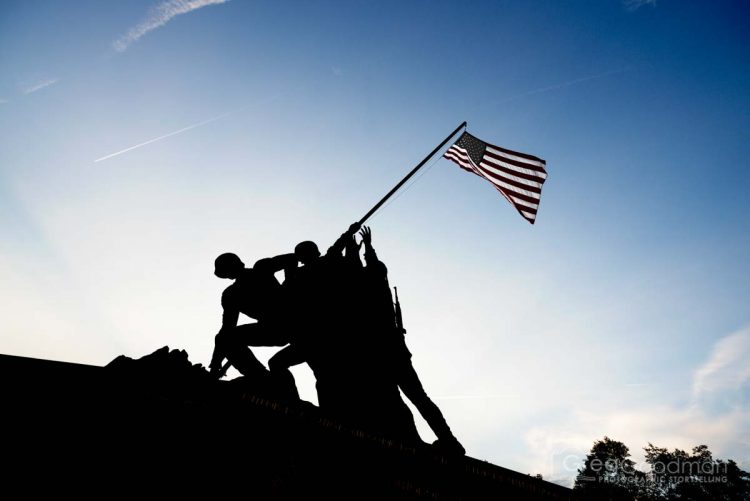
(608, 473)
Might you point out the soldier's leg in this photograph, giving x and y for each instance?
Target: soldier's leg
(285, 358)
(232, 345)
(279, 366)
(409, 382)
(262, 334)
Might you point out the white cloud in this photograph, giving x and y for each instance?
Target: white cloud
(39, 86)
(158, 16)
(637, 4)
(722, 382)
(3, 101)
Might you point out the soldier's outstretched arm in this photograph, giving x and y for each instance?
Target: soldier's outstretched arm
(338, 246)
(370, 256)
(374, 264)
(276, 263)
(217, 358)
(229, 318)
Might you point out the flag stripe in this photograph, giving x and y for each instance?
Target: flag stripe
(456, 153)
(528, 212)
(529, 179)
(532, 174)
(522, 157)
(461, 159)
(521, 182)
(505, 159)
(526, 205)
(505, 195)
(523, 194)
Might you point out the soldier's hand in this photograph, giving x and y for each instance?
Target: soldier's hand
(366, 235)
(353, 228)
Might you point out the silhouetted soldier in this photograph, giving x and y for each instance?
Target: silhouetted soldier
(326, 293)
(315, 292)
(389, 334)
(257, 293)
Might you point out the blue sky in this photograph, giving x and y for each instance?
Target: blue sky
(622, 311)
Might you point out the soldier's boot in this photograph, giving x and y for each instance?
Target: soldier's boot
(450, 445)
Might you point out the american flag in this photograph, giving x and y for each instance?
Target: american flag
(517, 176)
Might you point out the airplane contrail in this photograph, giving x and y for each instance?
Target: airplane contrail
(561, 85)
(170, 134)
(267, 99)
(40, 85)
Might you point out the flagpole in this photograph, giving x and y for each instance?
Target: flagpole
(409, 175)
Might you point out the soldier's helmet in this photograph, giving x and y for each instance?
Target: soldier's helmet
(228, 265)
(306, 251)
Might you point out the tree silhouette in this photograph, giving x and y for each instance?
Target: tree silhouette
(608, 473)
(695, 477)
